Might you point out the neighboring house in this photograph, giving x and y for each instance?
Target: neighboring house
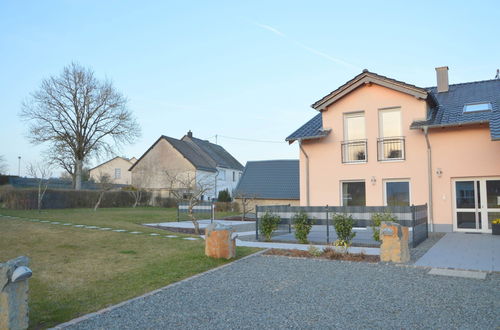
(270, 182)
(379, 141)
(209, 163)
(116, 169)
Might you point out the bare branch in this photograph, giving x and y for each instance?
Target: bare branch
(79, 117)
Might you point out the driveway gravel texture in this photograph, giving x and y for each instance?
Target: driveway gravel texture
(269, 292)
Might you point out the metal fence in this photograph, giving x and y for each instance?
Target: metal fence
(202, 208)
(414, 217)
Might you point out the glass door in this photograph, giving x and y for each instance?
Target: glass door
(477, 203)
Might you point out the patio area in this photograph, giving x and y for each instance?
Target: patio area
(464, 251)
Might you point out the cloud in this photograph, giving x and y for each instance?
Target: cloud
(305, 47)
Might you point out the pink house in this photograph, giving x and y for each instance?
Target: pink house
(378, 141)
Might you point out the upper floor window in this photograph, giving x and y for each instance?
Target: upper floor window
(118, 173)
(391, 141)
(473, 107)
(222, 175)
(354, 144)
(234, 176)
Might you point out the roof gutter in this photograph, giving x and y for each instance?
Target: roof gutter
(429, 177)
(307, 172)
(471, 123)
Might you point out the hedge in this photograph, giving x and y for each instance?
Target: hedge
(26, 199)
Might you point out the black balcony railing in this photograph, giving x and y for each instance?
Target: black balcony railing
(392, 148)
(354, 151)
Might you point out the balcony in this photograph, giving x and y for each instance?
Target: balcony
(392, 148)
(354, 151)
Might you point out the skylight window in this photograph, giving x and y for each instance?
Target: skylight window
(473, 107)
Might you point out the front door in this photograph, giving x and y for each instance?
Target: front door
(476, 204)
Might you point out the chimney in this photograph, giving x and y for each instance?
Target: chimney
(190, 134)
(442, 79)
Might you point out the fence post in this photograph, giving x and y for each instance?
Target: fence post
(327, 227)
(413, 225)
(256, 222)
(212, 213)
(290, 225)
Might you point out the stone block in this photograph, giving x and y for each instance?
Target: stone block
(394, 247)
(13, 296)
(220, 241)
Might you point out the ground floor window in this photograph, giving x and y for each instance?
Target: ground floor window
(397, 193)
(353, 193)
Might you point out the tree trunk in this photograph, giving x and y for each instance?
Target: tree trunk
(98, 201)
(78, 174)
(193, 220)
(40, 197)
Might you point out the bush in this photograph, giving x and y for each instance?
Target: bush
(377, 219)
(268, 223)
(343, 224)
(302, 225)
(224, 196)
(226, 207)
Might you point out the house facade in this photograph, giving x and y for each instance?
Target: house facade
(116, 169)
(378, 141)
(194, 159)
(269, 182)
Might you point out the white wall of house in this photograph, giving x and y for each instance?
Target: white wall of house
(227, 179)
(207, 179)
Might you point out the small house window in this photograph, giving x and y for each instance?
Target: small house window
(222, 175)
(118, 173)
(234, 176)
(473, 107)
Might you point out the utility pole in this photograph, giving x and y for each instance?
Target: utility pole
(19, 166)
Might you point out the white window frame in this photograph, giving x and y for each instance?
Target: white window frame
(353, 114)
(380, 151)
(342, 190)
(118, 173)
(385, 181)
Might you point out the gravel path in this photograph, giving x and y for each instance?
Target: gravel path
(268, 292)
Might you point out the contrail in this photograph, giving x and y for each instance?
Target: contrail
(305, 47)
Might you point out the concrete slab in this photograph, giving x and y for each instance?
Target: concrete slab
(458, 273)
(239, 226)
(190, 238)
(170, 236)
(464, 251)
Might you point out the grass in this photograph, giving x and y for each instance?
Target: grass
(117, 218)
(78, 271)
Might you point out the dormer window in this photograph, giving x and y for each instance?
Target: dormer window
(474, 107)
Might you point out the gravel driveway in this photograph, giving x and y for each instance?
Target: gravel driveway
(268, 292)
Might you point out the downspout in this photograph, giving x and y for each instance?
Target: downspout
(307, 172)
(429, 177)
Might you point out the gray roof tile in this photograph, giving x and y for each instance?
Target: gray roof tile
(270, 179)
(310, 130)
(495, 125)
(218, 154)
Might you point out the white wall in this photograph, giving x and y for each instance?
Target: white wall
(226, 181)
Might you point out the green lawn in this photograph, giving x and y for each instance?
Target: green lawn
(116, 218)
(77, 271)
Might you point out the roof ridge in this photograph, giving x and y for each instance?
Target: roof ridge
(467, 83)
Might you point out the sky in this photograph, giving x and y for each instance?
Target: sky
(246, 71)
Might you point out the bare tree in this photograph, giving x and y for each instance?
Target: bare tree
(136, 193)
(246, 200)
(105, 184)
(78, 116)
(3, 165)
(42, 173)
(189, 188)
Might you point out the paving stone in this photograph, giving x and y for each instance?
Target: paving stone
(44, 221)
(67, 224)
(191, 238)
(55, 223)
(170, 236)
(154, 234)
(458, 273)
(135, 232)
(79, 226)
(91, 227)
(104, 228)
(119, 230)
